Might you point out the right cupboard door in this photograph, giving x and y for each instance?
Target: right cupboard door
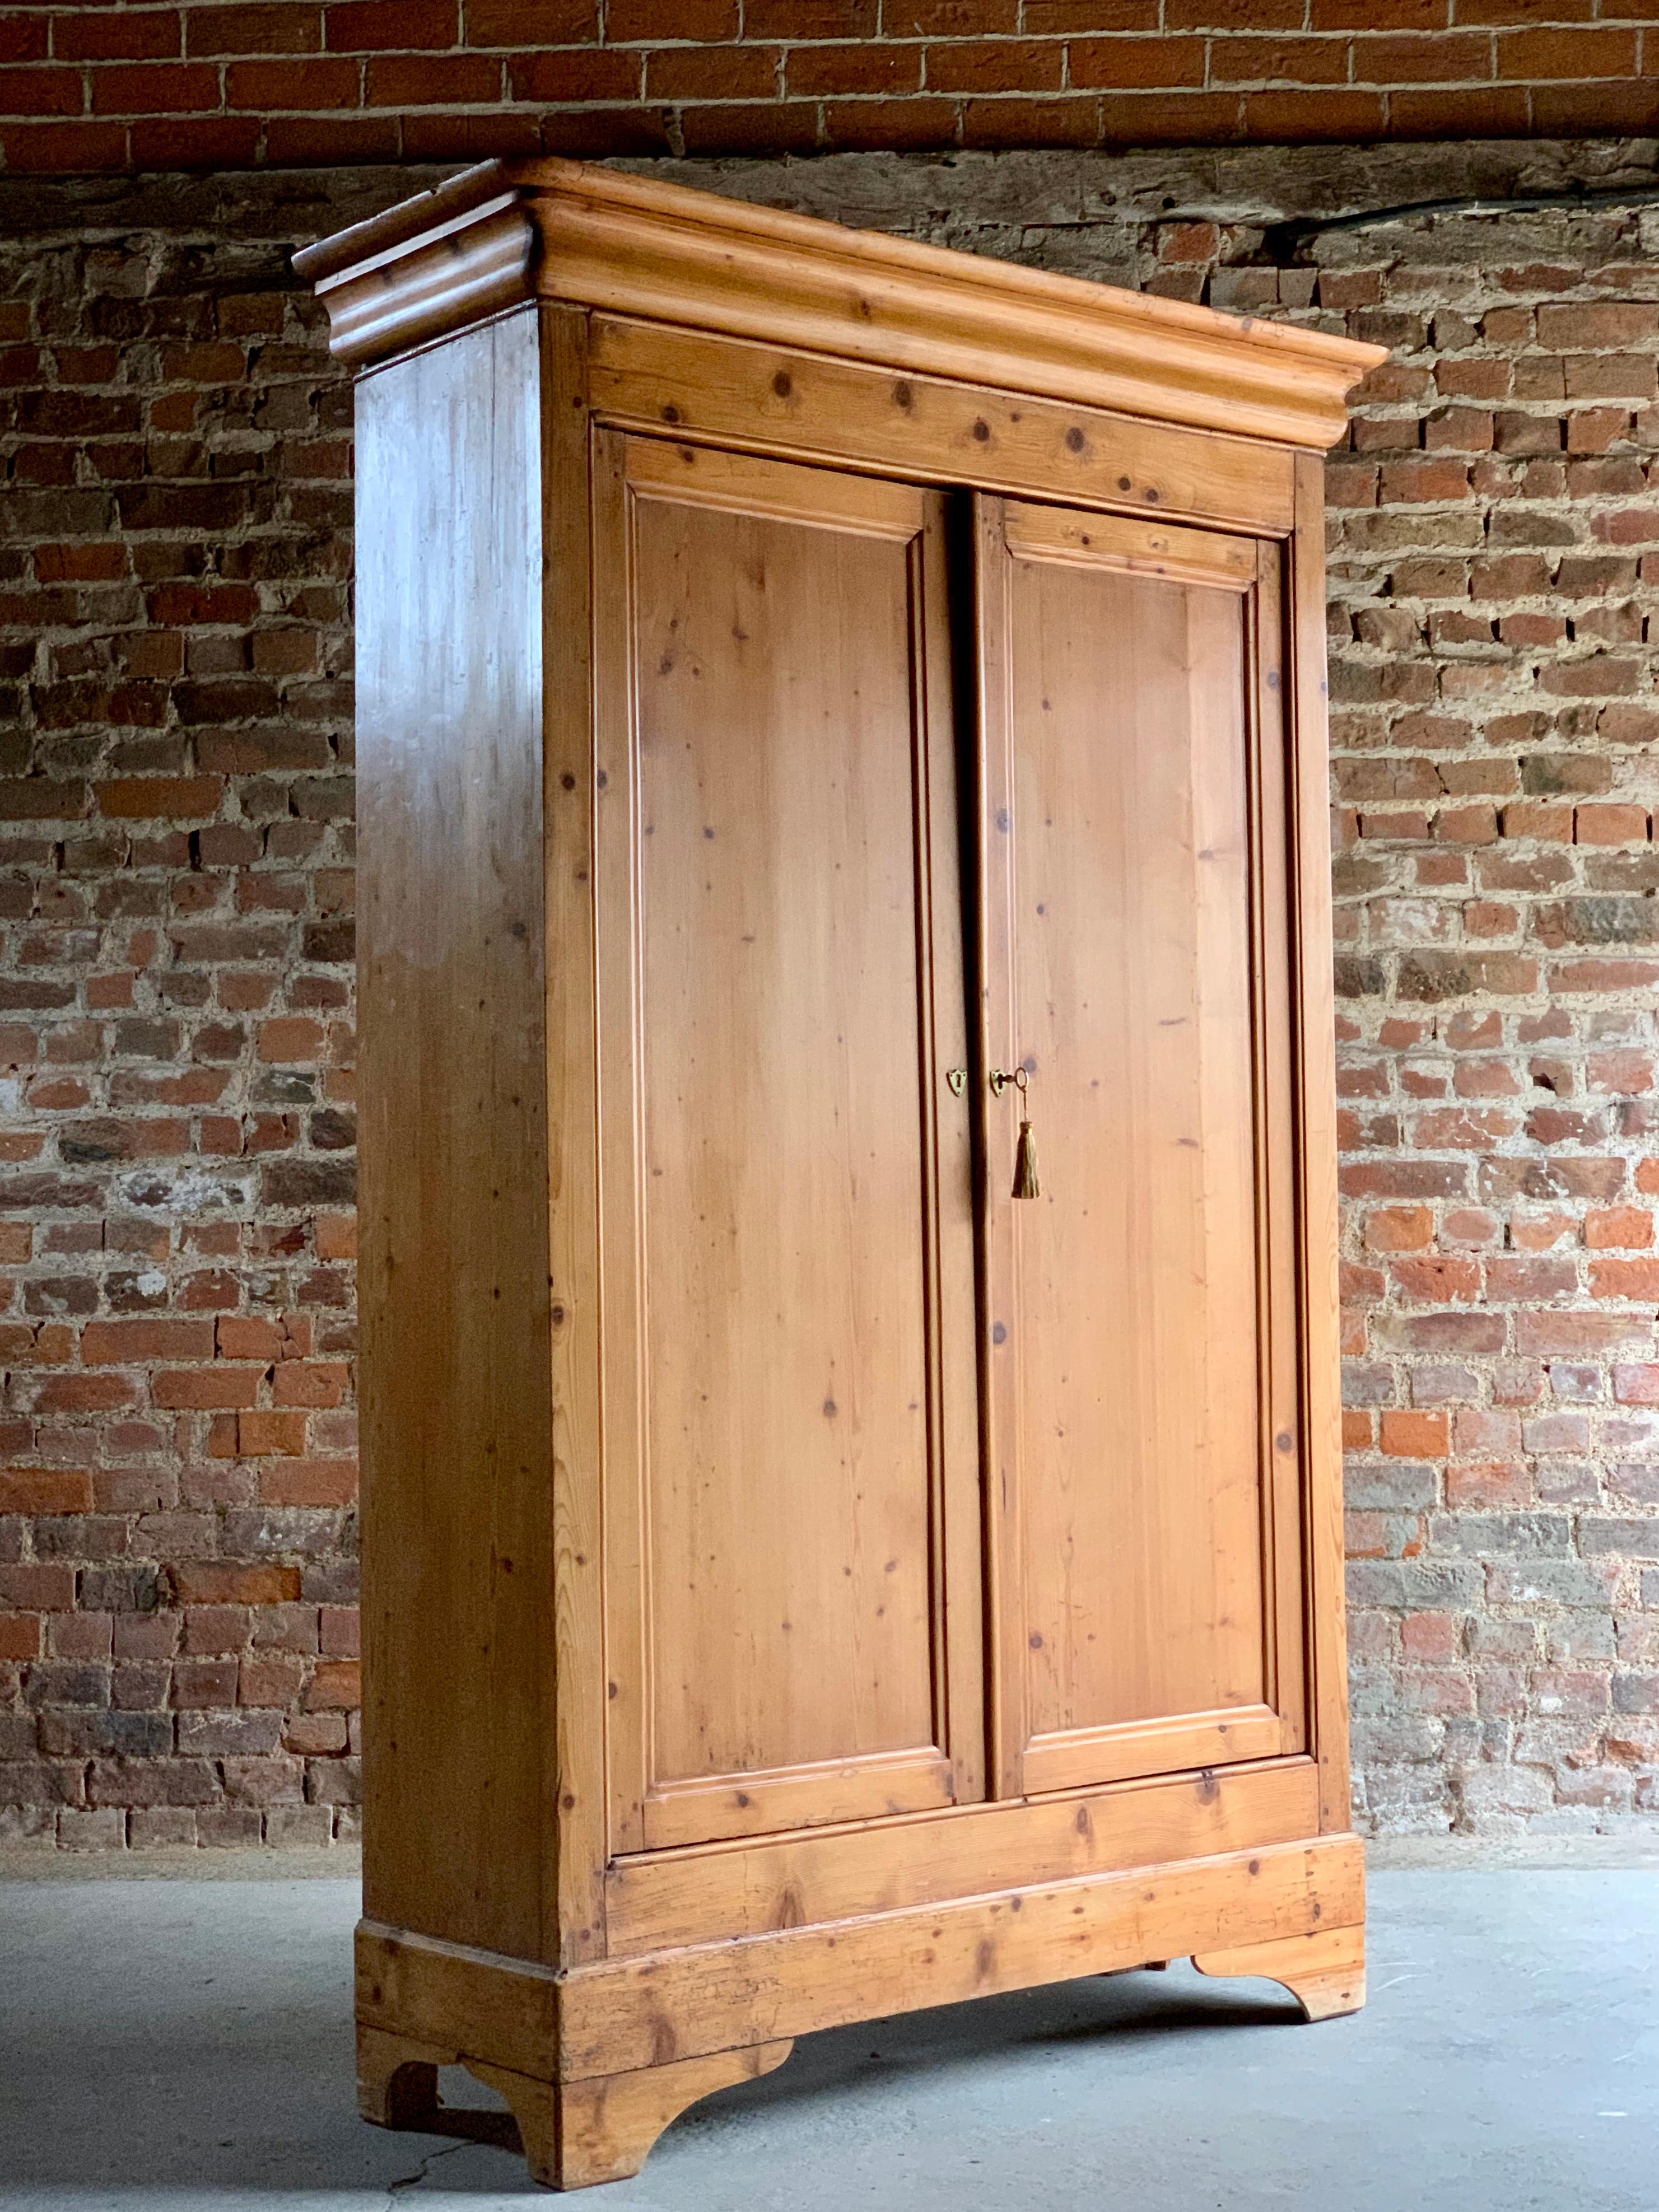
(1143, 1376)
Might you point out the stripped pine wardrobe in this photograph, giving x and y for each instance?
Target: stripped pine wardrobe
(850, 1494)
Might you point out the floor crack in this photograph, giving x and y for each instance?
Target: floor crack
(414, 2180)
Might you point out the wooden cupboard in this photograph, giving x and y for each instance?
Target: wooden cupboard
(825, 703)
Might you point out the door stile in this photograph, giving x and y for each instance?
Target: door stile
(1008, 1717)
(949, 1209)
(622, 1287)
(1282, 1450)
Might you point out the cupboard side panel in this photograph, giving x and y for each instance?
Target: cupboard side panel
(454, 1141)
(1317, 1074)
(573, 1748)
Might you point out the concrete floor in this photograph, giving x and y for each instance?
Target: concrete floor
(185, 2046)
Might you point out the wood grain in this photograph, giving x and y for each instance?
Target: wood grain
(613, 2016)
(397, 2077)
(578, 2133)
(573, 1844)
(1324, 1971)
(1129, 546)
(634, 245)
(1287, 1455)
(622, 2014)
(766, 998)
(933, 429)
(461, 1998)
(673, 1897)
(573, 2133)
(1315, 1073)
(1124, 1304)
(453, 1137)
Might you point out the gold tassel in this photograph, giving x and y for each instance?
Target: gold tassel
(1025, 1166)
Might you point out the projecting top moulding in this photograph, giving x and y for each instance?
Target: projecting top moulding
(510, 231)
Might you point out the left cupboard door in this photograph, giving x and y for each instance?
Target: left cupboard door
(790, 1457)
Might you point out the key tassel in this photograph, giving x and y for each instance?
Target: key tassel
(1025, 1165)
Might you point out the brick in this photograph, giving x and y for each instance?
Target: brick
(1571, 1334)
(320, 1384)
(396, 26)
(105, 34)
(1279, 60)
(904, 19)
(408, 80)
(1068, 17)
(254, 26)
(116, 1343)
(335, 1685)
(308, 1482)
(1459, 59)
(251, 1337)
(1008, 65)
(921, 123)
(152, 88)
(317, 81)
(1413, 1436)
(292, 1039)
(1399, 1229)
(44, 1490)
(1119, 62)
(552, 22)
(148, 798)
(1537, 56)
(259, 1433)
(1610, 825)
(19, 1636)
(1625, 1279)
(200, 1390)
(216, 1582)
(1479, 1485)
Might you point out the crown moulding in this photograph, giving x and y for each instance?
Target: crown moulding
(509, 232)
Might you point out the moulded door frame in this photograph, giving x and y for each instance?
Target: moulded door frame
(1021, 1762)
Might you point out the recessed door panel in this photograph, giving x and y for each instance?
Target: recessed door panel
(781, 971)
(1137, 977)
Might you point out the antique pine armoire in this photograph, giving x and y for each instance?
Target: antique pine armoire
(841, 742)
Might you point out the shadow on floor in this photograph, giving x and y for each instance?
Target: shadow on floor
(187, 2047)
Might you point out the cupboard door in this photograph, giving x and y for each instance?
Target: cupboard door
(1141, 1312)
(790, 1469)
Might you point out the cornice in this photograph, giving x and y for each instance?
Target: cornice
(511, 232)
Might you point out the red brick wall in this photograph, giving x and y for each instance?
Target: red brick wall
(177, 1463)
(1495, 577)
(207, 85)
(175, 1315)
